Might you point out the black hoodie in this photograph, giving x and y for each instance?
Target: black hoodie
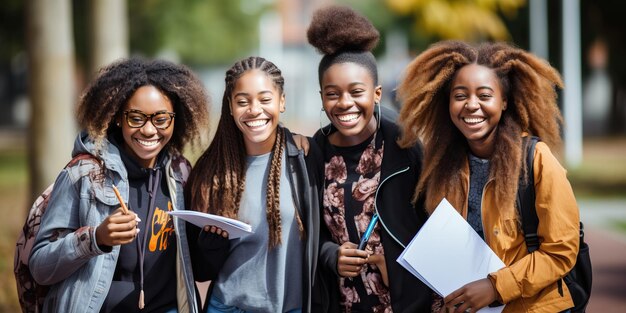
(156, 271)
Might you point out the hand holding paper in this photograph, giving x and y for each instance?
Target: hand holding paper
(234, 227)
(447, 253)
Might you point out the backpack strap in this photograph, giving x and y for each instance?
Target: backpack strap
(526, 198)
(82, 156)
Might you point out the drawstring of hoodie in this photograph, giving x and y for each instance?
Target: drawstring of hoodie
(153, 186)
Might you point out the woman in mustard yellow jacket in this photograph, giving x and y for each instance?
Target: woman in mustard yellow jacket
(471, 106)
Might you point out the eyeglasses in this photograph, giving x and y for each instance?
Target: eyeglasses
(160, 120)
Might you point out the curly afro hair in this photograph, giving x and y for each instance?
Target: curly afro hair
(343, 36)
(103, 101)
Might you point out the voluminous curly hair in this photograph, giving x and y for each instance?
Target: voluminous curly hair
(528, 83)
(343, 36)
(218, 178)
(102, 104)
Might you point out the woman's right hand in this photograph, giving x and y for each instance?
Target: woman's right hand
(350, 260)
(117, 229)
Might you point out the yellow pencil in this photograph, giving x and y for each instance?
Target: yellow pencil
(119, 197)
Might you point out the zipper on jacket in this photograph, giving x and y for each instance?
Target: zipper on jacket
(380, 217)
(482, 199)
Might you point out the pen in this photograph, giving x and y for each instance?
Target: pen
(368, 232)
(119, 197)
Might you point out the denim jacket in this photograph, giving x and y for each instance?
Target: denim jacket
(66, 255)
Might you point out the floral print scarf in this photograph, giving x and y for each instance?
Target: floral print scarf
(352, 175)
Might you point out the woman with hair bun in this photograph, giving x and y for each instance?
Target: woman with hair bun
(366, 173)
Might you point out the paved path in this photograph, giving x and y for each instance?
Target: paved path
(608, 254)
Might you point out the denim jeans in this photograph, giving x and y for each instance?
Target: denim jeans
(216, 306)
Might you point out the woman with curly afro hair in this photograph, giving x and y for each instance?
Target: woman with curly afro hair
(367, 176)
(472, 107)
(101, 255)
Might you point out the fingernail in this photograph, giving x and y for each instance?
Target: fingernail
(138, 230)
(137, 218)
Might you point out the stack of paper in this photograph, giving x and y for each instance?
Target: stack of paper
(447, 253)
(234, 227)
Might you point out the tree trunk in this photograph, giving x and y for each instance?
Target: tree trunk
(108, 32)
(51, 81)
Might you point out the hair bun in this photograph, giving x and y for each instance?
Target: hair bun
(338, 28)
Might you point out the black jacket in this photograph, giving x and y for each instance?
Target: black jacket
(303, 175)
(400, 220)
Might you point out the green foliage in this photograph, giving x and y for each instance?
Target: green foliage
(198, 31)
(12, 28)
(387, 20)
(454, 19)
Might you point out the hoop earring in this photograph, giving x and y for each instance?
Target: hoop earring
(321, 126)
(379, 116)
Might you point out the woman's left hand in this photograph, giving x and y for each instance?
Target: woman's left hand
(472, 297)
(381, 264)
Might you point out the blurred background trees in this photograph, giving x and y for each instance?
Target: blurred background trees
(50, 49)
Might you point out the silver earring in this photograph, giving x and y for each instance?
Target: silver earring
(118, 124)
(379, 116)
(322, 126)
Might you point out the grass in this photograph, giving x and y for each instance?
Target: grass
(621, 225)
(13, 195)
(603, 170)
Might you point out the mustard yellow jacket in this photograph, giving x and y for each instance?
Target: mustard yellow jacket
(528, 283)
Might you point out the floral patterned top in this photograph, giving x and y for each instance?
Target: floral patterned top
(351, 177)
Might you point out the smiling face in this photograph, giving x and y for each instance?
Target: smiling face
(348, 98)
(476, 106)
(145, 143)
(256, 104)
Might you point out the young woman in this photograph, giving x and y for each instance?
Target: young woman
(137, 115)
(366, 173)
(252, 171)
(471, 107)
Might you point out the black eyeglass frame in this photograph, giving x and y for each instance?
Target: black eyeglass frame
(150, 118)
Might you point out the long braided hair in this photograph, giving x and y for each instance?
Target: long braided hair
(217, 181)
(528, 83)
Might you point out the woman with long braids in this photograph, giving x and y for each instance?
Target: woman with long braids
(137, 116)
(252, 171)
(472, 106)
(366, 174)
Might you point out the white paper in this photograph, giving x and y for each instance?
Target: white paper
(234, 227)
(447, 253)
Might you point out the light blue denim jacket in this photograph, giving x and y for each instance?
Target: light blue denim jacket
(65, 254)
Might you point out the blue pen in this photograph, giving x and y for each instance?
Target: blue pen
(368, 232)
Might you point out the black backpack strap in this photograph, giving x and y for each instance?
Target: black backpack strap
(526, 198)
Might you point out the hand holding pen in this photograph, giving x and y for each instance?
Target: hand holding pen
(350, 260)
(351, 257)
(118, 228)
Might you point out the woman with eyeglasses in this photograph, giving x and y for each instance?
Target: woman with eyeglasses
(96, 255)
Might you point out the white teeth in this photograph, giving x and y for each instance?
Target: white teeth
(256, 123)
(148, 143)
(348, 117)
(473, 120)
